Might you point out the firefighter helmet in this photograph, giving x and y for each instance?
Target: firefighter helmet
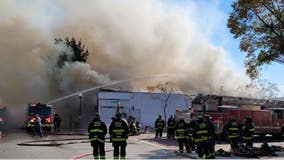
(200, 118)
(207, 117)
(96, 116)
(118, 115)
(248, 119)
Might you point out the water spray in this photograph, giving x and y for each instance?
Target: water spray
(106, 85)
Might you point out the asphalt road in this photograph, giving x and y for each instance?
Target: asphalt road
(139, 147)
(9, 149)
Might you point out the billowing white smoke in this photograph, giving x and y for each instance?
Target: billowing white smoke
(124, 39)
(76, 76)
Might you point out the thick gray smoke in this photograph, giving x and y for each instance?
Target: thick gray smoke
(125, 39)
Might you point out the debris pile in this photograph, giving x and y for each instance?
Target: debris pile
(255, 152)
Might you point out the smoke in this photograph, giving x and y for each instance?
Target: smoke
(124, 39)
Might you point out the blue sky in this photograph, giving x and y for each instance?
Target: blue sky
(222, 37)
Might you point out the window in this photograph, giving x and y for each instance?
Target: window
(278, 114)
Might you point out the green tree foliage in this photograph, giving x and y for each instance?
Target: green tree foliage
(260, 26)
(79, 51)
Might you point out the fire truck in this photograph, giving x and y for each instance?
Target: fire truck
(267, 120)
(3, 117)
(45, 112)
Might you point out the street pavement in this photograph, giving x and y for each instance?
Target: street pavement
(135, 149)
(139, 147)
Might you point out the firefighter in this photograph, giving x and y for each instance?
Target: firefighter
(57, 123)
(200, 136)
(138, 125)
(191, 126)
(248, 132)
(159, 126)
(171, 126)
(182, 135)
(233, 132)
(97, 132)
(211, 137)
(133, 128)
(119, 131)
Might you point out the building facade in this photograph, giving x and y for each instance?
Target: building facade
(144, 106)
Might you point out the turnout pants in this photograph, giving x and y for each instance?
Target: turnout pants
(202, 149)
(119, 149)
(211, 149)
(98, 150)
(159, 132)
(171, 133)
(249, 143)
(183, 143)
(191, 143)
(234, 143)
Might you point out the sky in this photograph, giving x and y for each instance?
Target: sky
(221, 36)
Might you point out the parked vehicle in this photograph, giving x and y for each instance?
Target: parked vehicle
(45, 112)
(267, 114)
(266, 121)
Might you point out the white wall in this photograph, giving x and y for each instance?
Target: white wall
(146, 107)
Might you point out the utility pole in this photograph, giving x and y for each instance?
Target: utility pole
(80, 104)
(78, 118)
(117, 107)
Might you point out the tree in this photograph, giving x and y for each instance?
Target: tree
(267, 90)
(79, 52)
(260, 88)
(167, 91)
(260, 26)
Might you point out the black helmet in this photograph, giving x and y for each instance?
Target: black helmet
(96, 116)
(200, 119)
(118, 115)
(248, 119)
(207, 117)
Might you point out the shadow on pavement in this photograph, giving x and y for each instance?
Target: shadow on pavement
(159, 154)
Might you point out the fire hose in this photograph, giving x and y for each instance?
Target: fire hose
(58, 142)
(55, 142)
(67, 134)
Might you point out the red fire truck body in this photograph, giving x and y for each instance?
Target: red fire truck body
(266, 121)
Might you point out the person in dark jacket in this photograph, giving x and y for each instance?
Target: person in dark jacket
(57, 123)
(159, 126)
(211, 138)
(119, 131)
(233, 131)
(200, 136)
(182, 135)
(97, 132)
(171, 126)
(248, 132)
(37, 126)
